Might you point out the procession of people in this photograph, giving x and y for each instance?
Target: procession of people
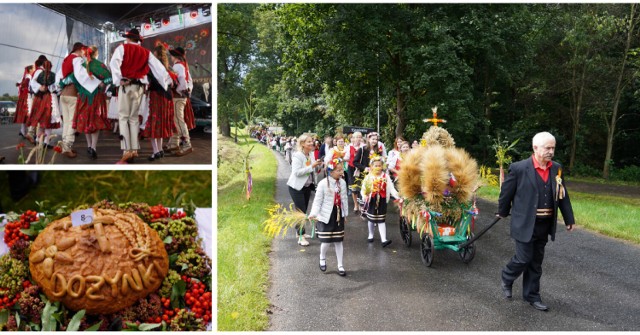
(137, 95)
(327, 174)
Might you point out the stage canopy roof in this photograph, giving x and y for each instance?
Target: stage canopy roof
(122, 15)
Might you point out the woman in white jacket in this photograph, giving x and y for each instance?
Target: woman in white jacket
(301, 179)
(330, 207)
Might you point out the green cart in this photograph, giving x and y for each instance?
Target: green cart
(440, 232)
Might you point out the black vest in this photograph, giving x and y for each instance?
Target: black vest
(545, 193)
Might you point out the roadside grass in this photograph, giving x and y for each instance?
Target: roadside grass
(612, 216)
(243, 250)
(74, 188)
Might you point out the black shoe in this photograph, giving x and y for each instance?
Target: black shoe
(342, 272)
(161, 153)
(386, 243)
(506, 290)
(539, 306)
(93, 154)
(89, 151)
(323, 268)
(370, 240)
(21, 135)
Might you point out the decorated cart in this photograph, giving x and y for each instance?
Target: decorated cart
(437, 183)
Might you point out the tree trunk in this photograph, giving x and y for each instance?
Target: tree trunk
(616, 100)
(225, 127)
(575, 116)
(400, 106)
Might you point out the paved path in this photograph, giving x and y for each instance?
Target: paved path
(590, 282)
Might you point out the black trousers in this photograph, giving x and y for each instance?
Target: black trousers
(528, 261)
(301, 201)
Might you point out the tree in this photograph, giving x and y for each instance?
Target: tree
(236, 41)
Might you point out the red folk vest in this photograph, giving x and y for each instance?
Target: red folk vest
(135, 64)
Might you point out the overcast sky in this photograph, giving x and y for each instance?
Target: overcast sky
(28, 26)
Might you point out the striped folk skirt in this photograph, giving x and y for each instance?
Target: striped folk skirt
(332, 231)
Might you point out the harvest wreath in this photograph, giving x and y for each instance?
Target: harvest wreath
(109, 266)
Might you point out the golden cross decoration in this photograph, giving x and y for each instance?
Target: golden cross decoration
(435, 119)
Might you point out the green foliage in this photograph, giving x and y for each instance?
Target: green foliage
(629, 173)
(243, 261)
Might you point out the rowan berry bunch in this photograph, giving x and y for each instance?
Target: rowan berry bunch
(178, 215)
(198, 299)
(12, 280)
(12, 232)
(159, 212)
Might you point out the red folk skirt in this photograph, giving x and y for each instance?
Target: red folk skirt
(90, 118)
(22, 108)
(189, 118)
(160, 122)
(41, 112)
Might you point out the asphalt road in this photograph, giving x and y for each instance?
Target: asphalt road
(590, 282)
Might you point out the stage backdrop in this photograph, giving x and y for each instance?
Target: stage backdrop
(196, 41)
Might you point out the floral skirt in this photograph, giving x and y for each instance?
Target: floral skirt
(160, 123)
(41, 111)
(22, 109)
(91, 118)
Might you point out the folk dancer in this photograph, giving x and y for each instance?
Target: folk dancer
(91, 108)
(25, 99)
(45, 112)
(183, 111)
(73, 78)
(130, 65)
(160, 122)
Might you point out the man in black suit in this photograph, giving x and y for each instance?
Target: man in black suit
(533, 192)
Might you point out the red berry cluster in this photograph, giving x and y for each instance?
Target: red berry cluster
(12, 231)
(168, 313)
(198, 300)
(159, 212)
(8, 302)
(178, 215)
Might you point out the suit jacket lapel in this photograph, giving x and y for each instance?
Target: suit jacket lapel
(531, 173)
(553, 172)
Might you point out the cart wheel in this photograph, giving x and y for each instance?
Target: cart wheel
(426, 250)
(467, 253)
(405, 231)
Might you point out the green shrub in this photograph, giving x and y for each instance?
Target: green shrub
(628, 173)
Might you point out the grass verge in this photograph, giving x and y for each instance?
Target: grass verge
(612, 216)
(243, 260)
(73, 188)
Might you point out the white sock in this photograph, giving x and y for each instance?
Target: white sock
(371, 229)
(382, 227)
(47, 133)
(94, 139)
(339, 252)
(159, 144)
(323, 253)
(88, 137)
(154, 145)
(23, 129)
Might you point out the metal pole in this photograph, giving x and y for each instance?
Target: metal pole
(378, 89)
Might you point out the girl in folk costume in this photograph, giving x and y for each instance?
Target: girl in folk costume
(396, 160)
(303, 166)
(338, 151)
(160, 123)
(377, 188)
(183, 112)
(45, 111)
(23, 108)
(361, 160)
(31, 131)
(91, 108)
(330, 207)
(349, 156)
(393, 154)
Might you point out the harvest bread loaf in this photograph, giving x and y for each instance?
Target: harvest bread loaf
(103, 266)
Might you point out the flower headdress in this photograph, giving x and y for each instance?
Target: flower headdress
(375, 157)
(335, 163)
